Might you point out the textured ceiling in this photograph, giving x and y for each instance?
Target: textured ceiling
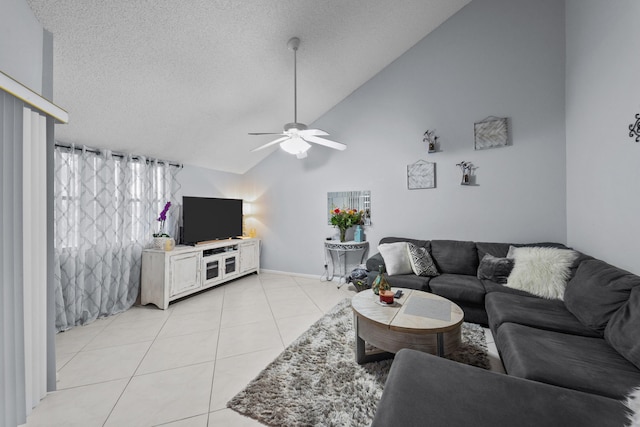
(185, 81)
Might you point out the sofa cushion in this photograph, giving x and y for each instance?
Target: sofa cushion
(455, 257)
(539, 313)
(542, 271)
(426, 390)
(491, 286)
(597, 291)
(498, 250)
(495, 269)
(540, 245)
(396, 258)
(458, 287)
(409, 281)
(421, 262)
(474, 313)
(422, 243)
(581, 363)
(623, 330)
(374, 262)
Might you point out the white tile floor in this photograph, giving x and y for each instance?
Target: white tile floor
(179, 367)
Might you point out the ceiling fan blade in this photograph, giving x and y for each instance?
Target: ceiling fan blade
(312, 132)
(266, 133)
(325, 142)
(269, 144)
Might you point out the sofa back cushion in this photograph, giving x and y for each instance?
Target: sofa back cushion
(455, 257)
(597, 291)
(374, 262)
(623, 330)
(421, 243)
(498, 250)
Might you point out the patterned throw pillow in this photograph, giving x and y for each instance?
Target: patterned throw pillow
(421, 261)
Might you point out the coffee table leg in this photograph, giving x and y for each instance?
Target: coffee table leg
(440, 340)
(361, 355)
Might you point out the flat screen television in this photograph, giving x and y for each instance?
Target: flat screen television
(207, 218)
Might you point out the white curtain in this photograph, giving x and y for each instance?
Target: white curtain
(106, 210)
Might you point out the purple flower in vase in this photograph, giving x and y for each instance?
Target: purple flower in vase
(162, 218)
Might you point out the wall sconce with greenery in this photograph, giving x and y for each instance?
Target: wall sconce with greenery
(467, 169)
(430, 138)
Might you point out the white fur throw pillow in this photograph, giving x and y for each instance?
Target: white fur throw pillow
(396, 258)
(541, 271)
(633, 403)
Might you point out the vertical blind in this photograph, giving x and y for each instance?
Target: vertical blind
(35, 254)
(23, 260)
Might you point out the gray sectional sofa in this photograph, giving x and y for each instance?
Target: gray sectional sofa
(581, 354)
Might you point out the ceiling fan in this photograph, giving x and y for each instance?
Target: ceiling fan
(295, 136)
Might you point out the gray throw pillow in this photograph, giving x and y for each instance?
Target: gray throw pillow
(495, 269)
(421, 262)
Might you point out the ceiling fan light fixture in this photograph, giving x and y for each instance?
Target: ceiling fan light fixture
(295, 145)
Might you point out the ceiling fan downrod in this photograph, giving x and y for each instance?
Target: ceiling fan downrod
(293, 45)
(296, 137)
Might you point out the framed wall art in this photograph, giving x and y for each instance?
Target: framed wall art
(491, 132)
(421, 174)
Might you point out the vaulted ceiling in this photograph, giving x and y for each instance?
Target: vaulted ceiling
(187, 80)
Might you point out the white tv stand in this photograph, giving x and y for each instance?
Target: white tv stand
(167, 276)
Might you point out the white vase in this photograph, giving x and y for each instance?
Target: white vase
(159, 242)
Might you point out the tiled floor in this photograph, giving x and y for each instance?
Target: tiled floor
(179, 367)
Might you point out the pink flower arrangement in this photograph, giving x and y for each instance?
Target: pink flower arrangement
(345, 218)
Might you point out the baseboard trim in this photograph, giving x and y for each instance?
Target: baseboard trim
(307, 276)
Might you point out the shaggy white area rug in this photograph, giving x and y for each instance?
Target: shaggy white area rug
(317, 382)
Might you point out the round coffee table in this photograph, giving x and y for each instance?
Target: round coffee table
(418, 320)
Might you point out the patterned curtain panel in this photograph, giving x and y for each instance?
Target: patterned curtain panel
(106, 210)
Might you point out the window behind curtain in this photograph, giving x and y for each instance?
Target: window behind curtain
(106, 210)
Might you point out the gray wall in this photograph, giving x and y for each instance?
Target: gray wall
(494, 57)
(602, 99)
(202, 182)
(21, 44)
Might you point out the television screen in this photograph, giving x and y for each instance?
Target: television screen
(206, 218)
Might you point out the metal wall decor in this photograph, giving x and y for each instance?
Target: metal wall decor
(491, 132)
(634, 128)
(431, 139)
(421, 174)
(467, 169)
